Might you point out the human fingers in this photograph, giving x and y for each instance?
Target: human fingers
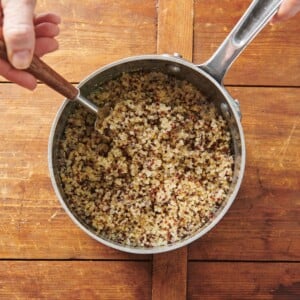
(287, 10)
(20, 77)
(46, 27)
(18, 31)
(45, 45)
(46, 30)
(48, 18)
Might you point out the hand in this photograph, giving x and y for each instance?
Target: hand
(287, 10)
(25, 34)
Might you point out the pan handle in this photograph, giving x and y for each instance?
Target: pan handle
(251, 23)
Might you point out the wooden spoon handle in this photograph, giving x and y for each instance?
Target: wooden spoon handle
(46, 74)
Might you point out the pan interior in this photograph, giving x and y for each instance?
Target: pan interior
(184, 71)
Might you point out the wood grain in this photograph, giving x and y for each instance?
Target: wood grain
(43, 72)
(75, 280)
(95, 33)
(41, 250)
(175, 27)
(175, 34)
(169, 277)
(247, 281)
(33, 224)
(265, 214)
(272, 59)
(263, 223)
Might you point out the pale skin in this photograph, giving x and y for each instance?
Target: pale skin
(26, 34)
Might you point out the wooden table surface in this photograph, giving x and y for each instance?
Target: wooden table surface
(253, 253)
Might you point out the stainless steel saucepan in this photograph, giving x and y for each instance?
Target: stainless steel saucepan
(207, 77)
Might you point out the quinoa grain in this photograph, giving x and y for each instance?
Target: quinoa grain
(159, 166)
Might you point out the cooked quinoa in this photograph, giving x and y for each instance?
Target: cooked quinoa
(157, 169)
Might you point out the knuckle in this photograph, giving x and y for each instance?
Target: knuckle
(18, 33)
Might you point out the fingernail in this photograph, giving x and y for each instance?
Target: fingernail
(21, 59)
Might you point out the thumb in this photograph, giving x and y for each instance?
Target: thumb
(18, 31)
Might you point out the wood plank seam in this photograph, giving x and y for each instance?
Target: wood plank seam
(174, 34)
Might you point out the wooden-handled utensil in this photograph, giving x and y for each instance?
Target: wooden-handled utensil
(43, 72)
